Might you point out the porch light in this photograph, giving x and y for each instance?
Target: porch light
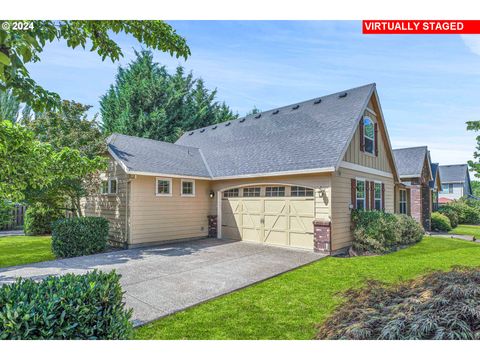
(212, 194)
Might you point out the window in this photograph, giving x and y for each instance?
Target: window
(231, 193)
(378, 196)
(251, 192)
(272, 191)
(188, 188)
(164, 187)
(301, 191)
(112, 186)
(369, 135)
(104, 187)
(403, 201)
(360, 197)
(447, 189)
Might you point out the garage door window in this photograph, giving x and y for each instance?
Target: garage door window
(231, 193)
(251, 192)
(301, 191)
(274, 191)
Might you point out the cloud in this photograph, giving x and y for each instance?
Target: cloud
(472, 42)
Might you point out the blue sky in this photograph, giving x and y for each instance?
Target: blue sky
(429, 85)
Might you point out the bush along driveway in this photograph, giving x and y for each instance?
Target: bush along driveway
(291, 305)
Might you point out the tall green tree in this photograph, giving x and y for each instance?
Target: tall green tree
(68, 127)
(25, 45)
(9, 106)
(147, 101)
(475, 164)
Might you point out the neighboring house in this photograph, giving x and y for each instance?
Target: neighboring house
(413, 194)
(455, 182)
(288, 177)
(435, 185)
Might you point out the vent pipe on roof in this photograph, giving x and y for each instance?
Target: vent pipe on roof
(318, 101)
(242, 120)
(227, 124)
(275, 112)
(258, 116)
(295, 107)
(342, 95)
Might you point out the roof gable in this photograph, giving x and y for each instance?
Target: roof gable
(454, 173)
(411, 161)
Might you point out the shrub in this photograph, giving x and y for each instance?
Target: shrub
(379, 232)
(466, 214)
(440, 305)
(411, 231)
(440, 222)
(79, 236)
(67, 307)
(5, 213)
(39, 219)
(451, 214)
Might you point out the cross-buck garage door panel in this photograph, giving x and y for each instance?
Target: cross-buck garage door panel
(286, 221)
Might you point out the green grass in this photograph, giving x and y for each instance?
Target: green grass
(467, 230)
(291, 305)
(17, 250)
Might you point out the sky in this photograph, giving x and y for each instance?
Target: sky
(429, 85)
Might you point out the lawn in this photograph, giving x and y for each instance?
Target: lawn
(289, 306)
(17, 250)
(467, 230)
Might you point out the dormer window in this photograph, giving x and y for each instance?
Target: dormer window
(369, 135)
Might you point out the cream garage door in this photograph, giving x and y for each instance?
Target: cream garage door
(276, 220)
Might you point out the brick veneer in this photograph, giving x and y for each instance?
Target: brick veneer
(322, 231)
(212, 226)
(416, 202)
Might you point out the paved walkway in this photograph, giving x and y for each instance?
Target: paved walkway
(11, 232)
(165, 279)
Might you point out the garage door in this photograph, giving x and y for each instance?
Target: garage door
(248, 214)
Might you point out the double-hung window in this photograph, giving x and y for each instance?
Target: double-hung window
(360, 195)
(104, 187)
(403, 202)
(188, 187)
(369, 135)
(163, 187)
(378, 196)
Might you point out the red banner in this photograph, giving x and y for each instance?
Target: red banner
(421, 26)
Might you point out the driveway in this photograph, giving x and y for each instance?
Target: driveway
(164, 279)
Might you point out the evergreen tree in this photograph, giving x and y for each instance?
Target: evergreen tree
(147, 101)
(9, 106)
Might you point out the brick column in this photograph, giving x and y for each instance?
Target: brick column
(212, 226)
(322, 231)
(416, 203)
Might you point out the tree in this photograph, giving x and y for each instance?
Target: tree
(68, 127)
(23, 46)
(254, 111)
(475, 165)
(9, 106)
(147, 101)
(475, 188)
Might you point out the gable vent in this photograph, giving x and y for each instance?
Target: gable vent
(342, 95)
(227, 124)
(295, 107)
(191, 133)
(258, 116)
(318, 101)
(213, 128)
(242, 120)
(202, 130)
(275, 112)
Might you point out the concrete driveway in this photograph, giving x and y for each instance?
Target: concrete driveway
(164, 279)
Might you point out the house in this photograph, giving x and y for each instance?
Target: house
(455, 182)
(435, 185)
(414, 194)
(288, 177)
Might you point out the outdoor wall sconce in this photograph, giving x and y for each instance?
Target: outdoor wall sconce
(212, 194)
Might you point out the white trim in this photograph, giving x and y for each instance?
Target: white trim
(367, 170)
(371, 111)
(365, 117)
(280, 173)
(364, 193)
(176, 176)
(193, 187)
(169, 187)
(219, 214)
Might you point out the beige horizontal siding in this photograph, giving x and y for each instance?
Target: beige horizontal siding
(341, 188)
(161, 218)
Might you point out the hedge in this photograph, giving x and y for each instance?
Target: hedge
(67, 307)
(79, 236)
(437, 306)
(451, 214)
(466, 213)
(440, 222)
(39, 219)
(379, 232)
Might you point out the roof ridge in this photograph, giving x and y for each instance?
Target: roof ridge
(412, 147)
(147, 139)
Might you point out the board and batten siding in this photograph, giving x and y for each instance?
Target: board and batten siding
(341, 212)
(113, 207)
(156, 219)
(355, 156)
(314, 181)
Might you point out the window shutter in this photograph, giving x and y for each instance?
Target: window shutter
(372, 190)
(354, 193)
(376, 139)
(383, 196)
(367, 195)
(362, 139)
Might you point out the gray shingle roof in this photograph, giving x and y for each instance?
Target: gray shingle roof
(453, 173)
(410, 161)
(157, 157)
(305, 136)
(434, 169)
